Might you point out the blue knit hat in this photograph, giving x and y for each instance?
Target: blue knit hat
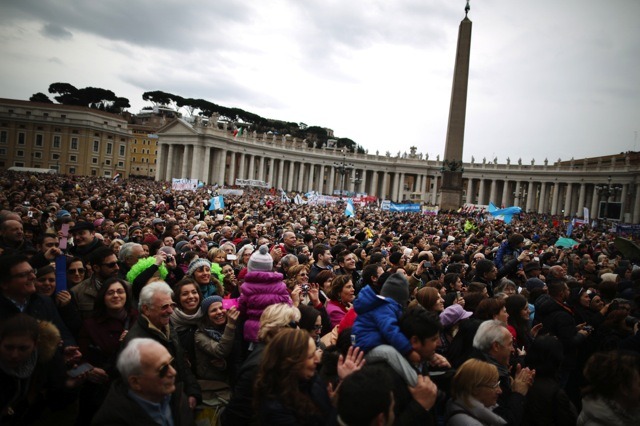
(208, 301)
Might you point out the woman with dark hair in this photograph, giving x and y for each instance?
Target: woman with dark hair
(100, 339)
(518, 310)
(546, 402)
(430, 299)
(68, 310)
(455, 289)
(187, 314)
(311, 321)
(341, 296)
(287, 390)
(75, 272)
(492, 308)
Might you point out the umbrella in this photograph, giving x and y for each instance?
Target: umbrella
(628, 248)
(565, 242)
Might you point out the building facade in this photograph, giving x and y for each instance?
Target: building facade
(209, 152)
(70, 139)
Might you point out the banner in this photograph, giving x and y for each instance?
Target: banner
(251, 182)
(184, 184)
(216, 203)
(430, 210)
(405, 208)
(227, 191)
(628, 229)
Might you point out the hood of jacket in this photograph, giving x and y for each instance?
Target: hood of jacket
(368, 300)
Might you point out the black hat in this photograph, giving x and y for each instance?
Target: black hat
(532, 266)
(81, 226)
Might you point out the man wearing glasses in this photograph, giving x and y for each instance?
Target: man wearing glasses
(104, 264)
(18, 294)
(147, 392)
(493, 343)
(156, 306)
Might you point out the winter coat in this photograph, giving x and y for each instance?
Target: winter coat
(377, 322)
(23, 400)
(212, 354)
(597, 411)
(260, 290)
(336, 312)
(458, 414)
(557, 319)
(547, 404)
(41, 308)
(84, 296)
(143, 328)
(120, 409)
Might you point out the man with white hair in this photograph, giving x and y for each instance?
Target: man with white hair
(129, 254)
(156, 306)
(147, 391)
(493, 343)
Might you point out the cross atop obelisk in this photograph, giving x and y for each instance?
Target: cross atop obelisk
(451, 190)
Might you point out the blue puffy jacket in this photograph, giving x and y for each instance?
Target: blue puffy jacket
(377, 322)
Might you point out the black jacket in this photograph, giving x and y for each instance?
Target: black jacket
(172, 344)
(120, 409)
(547, 404)
(40, 308)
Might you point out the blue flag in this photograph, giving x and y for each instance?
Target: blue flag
(216, 203)
(349, 210)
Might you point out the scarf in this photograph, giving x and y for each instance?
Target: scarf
(182, 321)
(24, 370)
(213, 333)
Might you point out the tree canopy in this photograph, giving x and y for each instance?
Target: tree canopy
(92, 97)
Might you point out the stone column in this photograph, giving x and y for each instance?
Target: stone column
(331, 184)
(594, 204)
(554, 199)
(374, 183)
(636, 205)
(160, 168)
(243, 160)
(543, 198)
(581, 197)
(261, 169)
(434, 190)
(312, 171)
(184, 170)
(290, 174)
(423, 185)
(385, 184)
(363, 183)
(206, 166)
(568, 200)
(280, 173)
(531, 196)
(222, 166)
(493, 193)
(299, 187)
(505, 194)
(196, 160)
(232, 169)
(252, 167)
(623, 199)
(470, 194)
(481, 190)
(517, 197)
(401, 177)
(272, 166)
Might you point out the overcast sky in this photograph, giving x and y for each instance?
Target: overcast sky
(554, 79)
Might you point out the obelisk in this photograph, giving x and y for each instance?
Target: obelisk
(451, 189)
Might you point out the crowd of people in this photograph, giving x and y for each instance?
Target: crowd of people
(125, 302)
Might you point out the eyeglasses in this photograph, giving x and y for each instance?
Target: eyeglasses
(318, 327)
(25, 274)
(494, 386)
(119, 292)
(110, 264)
(303, 274)
(167, 306)
(293, 324)
(76, 271)
(164, 369)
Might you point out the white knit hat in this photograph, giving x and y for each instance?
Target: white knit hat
(261, 260)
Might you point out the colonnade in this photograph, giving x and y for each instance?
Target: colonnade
(214, 156)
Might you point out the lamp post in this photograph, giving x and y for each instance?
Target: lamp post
(356, 181)
(607, 191)
(343, 167)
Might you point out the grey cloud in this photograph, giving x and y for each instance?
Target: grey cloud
(55, 60)
(55, 32)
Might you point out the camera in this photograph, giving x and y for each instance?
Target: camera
(305, 288)
(587, 328)
(169, 258)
